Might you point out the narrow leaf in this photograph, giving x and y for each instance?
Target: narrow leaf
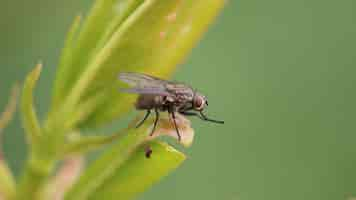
(88, 143)
(124, 9)
(29, 117)
(140, 173)
(105, 166)
(7, 188)
(67, 56)
(83, 109)
(103, 18)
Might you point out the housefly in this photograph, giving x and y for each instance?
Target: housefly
(162, 95)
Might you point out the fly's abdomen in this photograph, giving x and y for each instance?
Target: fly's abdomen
(148, 102)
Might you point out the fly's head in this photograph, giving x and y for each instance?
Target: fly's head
(199, 102)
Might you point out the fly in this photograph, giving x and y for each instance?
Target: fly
(165, 96)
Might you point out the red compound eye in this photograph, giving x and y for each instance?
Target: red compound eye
(198, 103)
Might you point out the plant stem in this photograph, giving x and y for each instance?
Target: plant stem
(40, 165)
(35, 175)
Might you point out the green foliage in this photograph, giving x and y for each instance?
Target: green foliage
(150, 36)
(103, 172)
(139, 173)
(30, 121)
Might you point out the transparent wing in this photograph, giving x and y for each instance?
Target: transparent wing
(143, 84)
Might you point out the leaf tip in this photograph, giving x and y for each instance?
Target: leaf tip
(181, 156)
(35, 74)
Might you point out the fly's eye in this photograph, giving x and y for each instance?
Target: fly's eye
(198, 103)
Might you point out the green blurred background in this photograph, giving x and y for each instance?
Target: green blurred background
(281, 73)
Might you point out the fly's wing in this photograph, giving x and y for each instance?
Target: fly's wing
(143, 84)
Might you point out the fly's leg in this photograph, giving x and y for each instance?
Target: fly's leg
(144, 118)
(210, 120)
(202, 117)
(191, 114)
(155, 123)
(175, 125)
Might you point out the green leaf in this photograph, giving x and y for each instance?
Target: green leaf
(7, 187)
(83, 109)
(67, 56)
(139, 173)
(154, 39)
(88, 143)
(105, 166)
(29, 117)
(103, 18)
(124, 9)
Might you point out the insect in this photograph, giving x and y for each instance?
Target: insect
(162, 95)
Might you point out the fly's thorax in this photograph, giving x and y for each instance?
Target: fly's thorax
(186, 106)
